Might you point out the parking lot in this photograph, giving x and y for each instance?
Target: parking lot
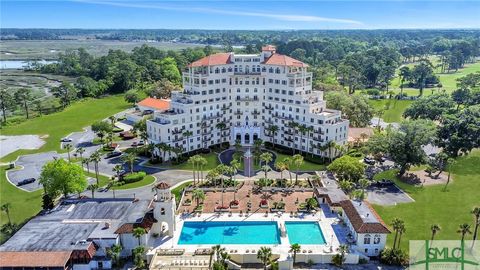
(31, 166)
(387, 195)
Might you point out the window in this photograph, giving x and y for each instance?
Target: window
(366, 239)
(376, 239)
(162, 211)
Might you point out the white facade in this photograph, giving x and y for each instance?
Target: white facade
(241, 98)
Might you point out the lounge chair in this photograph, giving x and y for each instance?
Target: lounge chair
(247, 251)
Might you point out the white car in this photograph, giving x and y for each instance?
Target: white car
(66, 140)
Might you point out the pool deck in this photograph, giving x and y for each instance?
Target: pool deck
(331, 236)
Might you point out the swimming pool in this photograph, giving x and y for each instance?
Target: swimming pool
(229, 232)
(304, 233)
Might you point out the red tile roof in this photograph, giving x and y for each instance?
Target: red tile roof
(34, 258)
(158, 104)
(283, 60)
(269, 48)
(146, 223)
(212, 60)
(162, 185)
(357, 222)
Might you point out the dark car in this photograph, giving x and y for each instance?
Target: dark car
(26, 181)
(134, 144)
(384, 182)
(113, 154)
(141, 143)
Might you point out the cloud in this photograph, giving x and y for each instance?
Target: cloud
(281, 17)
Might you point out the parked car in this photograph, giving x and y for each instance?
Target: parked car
(141, 142)
(66, 140)
(26, 181)
(384, 182)
(113, 154)
(134, 144)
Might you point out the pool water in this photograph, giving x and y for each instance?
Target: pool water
(229, 232)
(304, 233)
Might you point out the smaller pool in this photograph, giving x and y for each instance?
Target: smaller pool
(229, 232)
(304, 233)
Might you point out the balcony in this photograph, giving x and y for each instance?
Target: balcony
(269, 107)
(289, 139)
(237, 112)
(246, 73)
(179, 138)
(177, 131)
(247, 99)
(286, 117)
(161, 121)
(225, 108)
(210, 117)
(256, 113)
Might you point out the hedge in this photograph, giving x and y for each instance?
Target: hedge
(134, 177)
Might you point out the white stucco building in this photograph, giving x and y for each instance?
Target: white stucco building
(368, 231)
(229, 97)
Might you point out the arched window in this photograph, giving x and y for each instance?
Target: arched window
(366, 239)
(162, 211)
(270, 70)
(277, 70)
(376, 239)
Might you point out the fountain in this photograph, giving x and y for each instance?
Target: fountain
(248, 164)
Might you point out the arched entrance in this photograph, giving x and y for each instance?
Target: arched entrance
(247, 138)
(255, 136)
(238, 137)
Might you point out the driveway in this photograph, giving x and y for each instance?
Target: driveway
(388, 195)
(31, 167)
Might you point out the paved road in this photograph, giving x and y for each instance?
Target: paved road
(31, 167)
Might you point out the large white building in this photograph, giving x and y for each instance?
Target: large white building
(229, 97)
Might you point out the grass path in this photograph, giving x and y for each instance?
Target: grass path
(434, 206)
(57, 125)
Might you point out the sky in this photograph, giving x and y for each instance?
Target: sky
(238, 15)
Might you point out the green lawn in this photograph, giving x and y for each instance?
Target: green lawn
(394, 111)
(144, 182)
(306, 166)
(55, 126)
(434, 206)
(102, 179)
(448, 80)
(178, 191)
(212, 159)
(23, 204)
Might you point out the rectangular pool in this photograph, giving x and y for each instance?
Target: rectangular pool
(304, 233)
(229, 232)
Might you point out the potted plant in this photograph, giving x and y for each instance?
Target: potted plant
(187, 202)
(264, 203)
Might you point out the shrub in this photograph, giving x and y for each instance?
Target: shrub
(391, 256)
(116, 130)
(373, 92)
(134, 177)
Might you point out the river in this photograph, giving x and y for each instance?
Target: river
(20, 64)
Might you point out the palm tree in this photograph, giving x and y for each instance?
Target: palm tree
(435, 228)
(114, 253)
(464, 229)
(138, 254)
(309, 129)
(138, 233)
(193, 160)
(68, 147)
(397, 224)
(401, 230)
(6, 208)
(235, 165)
(130, 159)
(295, 248)
(187, 134)
(80, 151)
(197, 195)
(266, 169)
(86, 162)
(202, 162)
(449, 162)
(217, 250)
(297, 161)
(221, 126)
(330, 145)
(281, 166)
(117, 169)
(476, 214)
(237, 145)
(288, 163)
(264, 254)
(363, 183)
(95, 158)
(92, 188)
(273, 129)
